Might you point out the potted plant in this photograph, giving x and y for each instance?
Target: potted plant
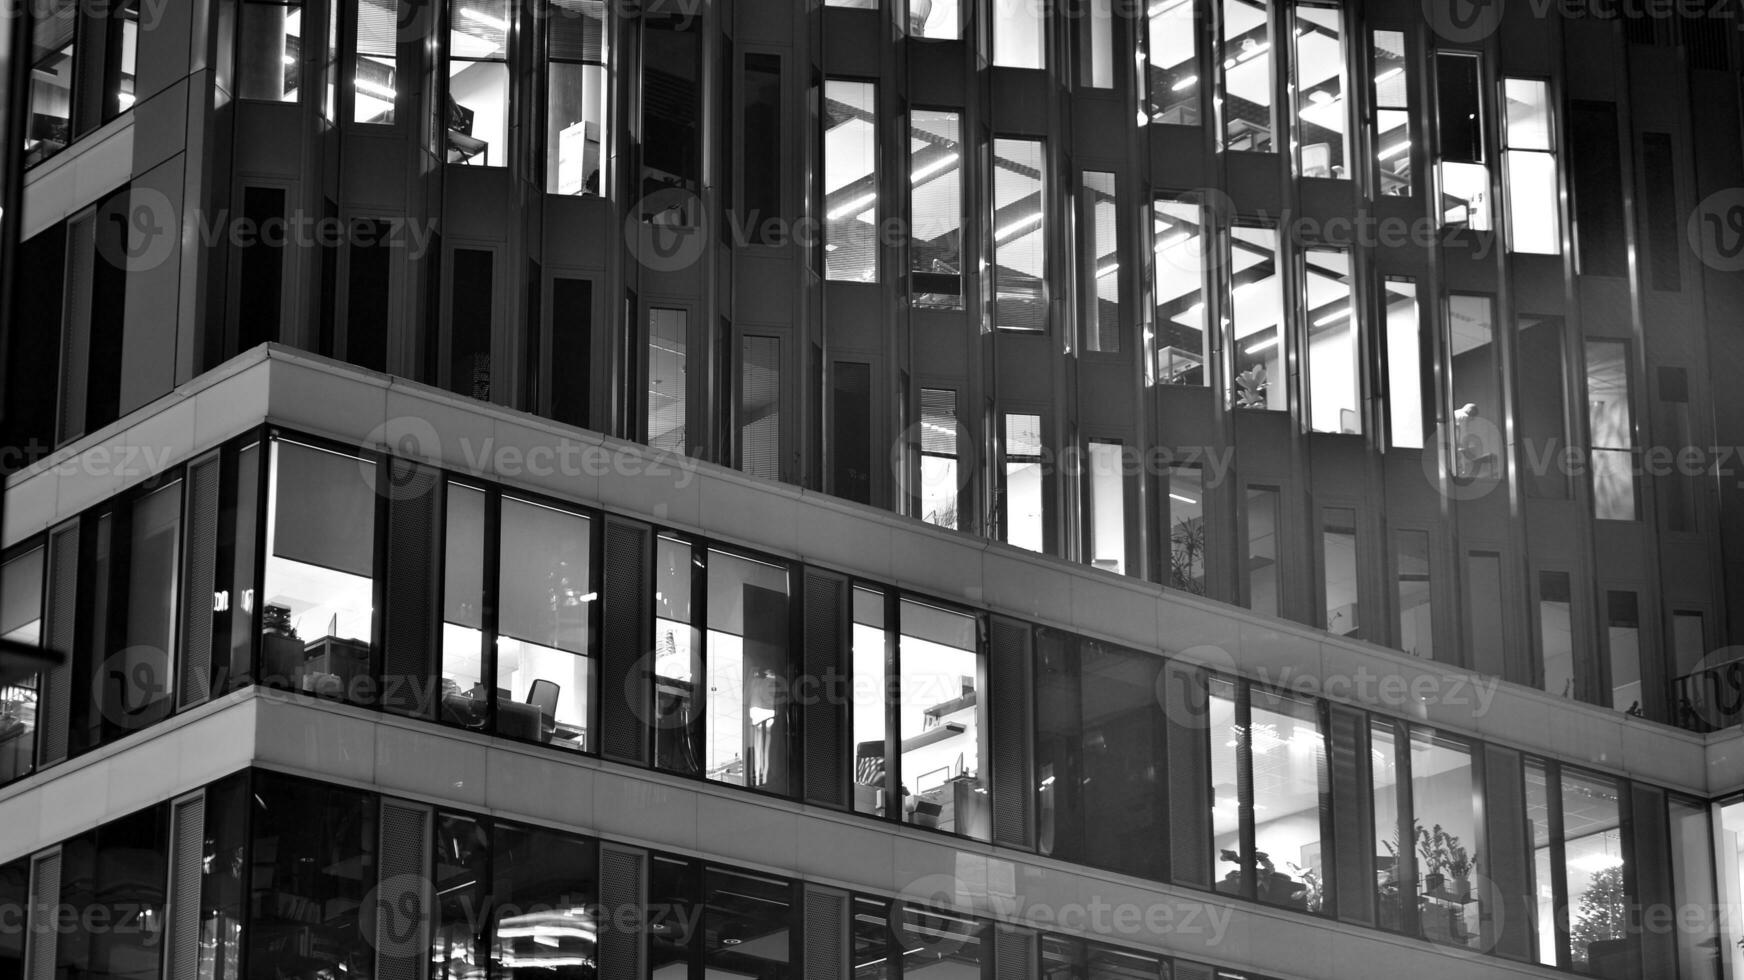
(1460, 866)
(1432, 848)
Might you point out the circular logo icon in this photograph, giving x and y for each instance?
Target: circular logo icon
(409, 440)
(137, 231)
(1181, 245)
(1184, 694)
(1463, 21)
(1477, 457)
(669, 658)
(933, 461)
(919, 920)
(667, 230)
(1710, 696)
(1716, 230)
(132, 687)
(393, 915)
(410, 20)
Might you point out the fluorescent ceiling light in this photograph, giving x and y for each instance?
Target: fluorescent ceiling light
(853, 207)
(1333, 317)
(942, 163)
(376, 89)
(1394, 150)
(1018, 225)
(1188, 82)
(484, 19)
(1184, 500)
(1263, 345)
(1388, 75)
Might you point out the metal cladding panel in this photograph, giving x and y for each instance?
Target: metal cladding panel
(826, 659)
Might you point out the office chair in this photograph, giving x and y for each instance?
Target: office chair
(543, 695)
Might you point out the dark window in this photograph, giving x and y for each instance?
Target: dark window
(544, 893)
(748, 664)
(115, 874)
(1596, 158)
(224, 879)
(21, 584)
(1659, 178)
(760, 165)
(1556, 649)
(15, 895)
(470, 314)
(33, 342)
(108, 303)
(851, 431)
(1459, 102)
(571, 350)
(262, 267)
(1623, 639)
(1542, 410)
(269, 50)
(367, 304)
(750, 928)
(671, 103)
(760, 406)
(673, 887)
(312, 864)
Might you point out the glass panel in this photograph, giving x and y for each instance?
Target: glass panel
(760, 406)
(936, 943)
(234, 646)
(871, 686)
(1322, 112)
(123, 54)
(460, 871)
(1096, 44)
(1593, 860)
(50, 128)
(112, 900)
(464, 695)
(312, 864)
(749, 671)
(1688, 646)
(748, 926)
(1477, 395)
(1024, 509)
(1692, 871)
(1247, 77)
(20, 622)
(269, 51)
(1335, 370)
(1290, 790)
(1543, 861)
(141, 674)
(1392, 112)
(545, 603)
(1186, 521)
(935, 152)
(1177, 230)
(934, 19)
(1392, 857)
(1019, 33)
(1532, 197)
(1444, 801)
(1099, 262)
(1122, 760)
(1556, 632)
(875, 954)
(224, 879)
(940, 722)
(1173, 53)
(762, 201)
(1107, 478)
(1256, 326)
(478, 83)
(939, 479)
(1542, 409)
(1416, 595)
(1020, 236)
(1338, 571)
(1623, 638)
(1528, 114)
(373, 72)
(320, 595)
(675, 887)
(671, 65)
(1262, 550)
(1464, 175)
(1226, 810)
(1611, 421)
(850, 181)
(668, 383)
(575, 127)
(1731, 879)
(1405, 392)
(1483, 621)
(544, 894)
(677, 710)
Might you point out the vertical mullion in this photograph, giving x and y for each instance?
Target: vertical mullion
(1244, 789)
(893, 801)
(493, 523)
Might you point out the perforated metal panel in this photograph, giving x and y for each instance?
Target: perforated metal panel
(187, 852)
(403, 894)
(623, 883)
(61, 612)
(409, 666)
(1011, 706)
(200, 581)
(1014, 953)
(825, 718)
(626, 646)
(40, 944)
(825, 934)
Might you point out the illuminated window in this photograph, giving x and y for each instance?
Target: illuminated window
(1019, 236)
(1533, 223)
(1322, 111)
(850, 181)
(478, 83)
(1024, 496)
(1172, 53)
(1334, 364)
(1256, 323)
(1463, 170)
(1177, 233)
(1249, 122)
(577, 131)
(1392, 112)
(374, 71)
